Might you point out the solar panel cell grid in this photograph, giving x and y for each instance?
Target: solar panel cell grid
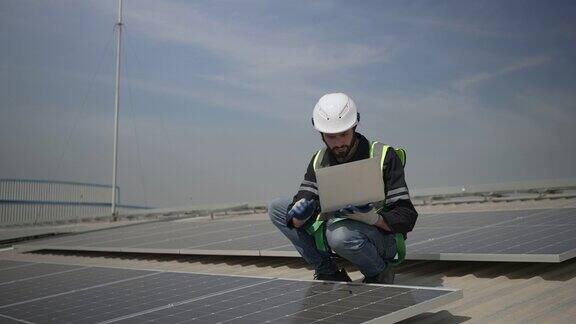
(32, 271)
(21, 291)
(107, 302)
(136, 296)
(275, 300)
(544, 235)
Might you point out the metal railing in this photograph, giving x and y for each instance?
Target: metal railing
(34, 202)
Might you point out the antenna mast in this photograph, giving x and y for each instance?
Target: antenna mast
(117, 109)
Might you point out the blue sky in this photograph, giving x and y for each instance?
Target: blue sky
(220, 93)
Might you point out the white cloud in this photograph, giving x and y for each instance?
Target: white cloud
(256, 52)
(262, 67)
(475, 80)
(454, 25)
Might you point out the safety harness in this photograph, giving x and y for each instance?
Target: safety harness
(318, 228)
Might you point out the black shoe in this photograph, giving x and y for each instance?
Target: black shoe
(384, 277)
(340, 275)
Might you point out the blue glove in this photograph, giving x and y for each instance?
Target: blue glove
(350, 209)
(302, 209)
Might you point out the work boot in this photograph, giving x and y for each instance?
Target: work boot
(384, 277)
(340, 275)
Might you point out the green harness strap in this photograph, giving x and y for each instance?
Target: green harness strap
(318, 228)
(400, 249)
(318, 231)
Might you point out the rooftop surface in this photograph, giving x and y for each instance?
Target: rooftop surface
(495, 292)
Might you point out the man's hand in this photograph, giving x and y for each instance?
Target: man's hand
(365, 214)
(301, 211)
(350, 209)
(381, 223)
(362, 213)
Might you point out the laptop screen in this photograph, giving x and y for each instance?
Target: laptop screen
(355, 183)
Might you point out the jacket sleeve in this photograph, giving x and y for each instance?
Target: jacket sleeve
(399, 213)
(308, 188)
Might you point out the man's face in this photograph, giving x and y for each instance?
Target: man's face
(340, 143)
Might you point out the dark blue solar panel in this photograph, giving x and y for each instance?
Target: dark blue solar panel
(133, 296)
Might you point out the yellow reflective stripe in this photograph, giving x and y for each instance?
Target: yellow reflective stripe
(316, 159)
(372, 149)
(315, 164)
(384, 151)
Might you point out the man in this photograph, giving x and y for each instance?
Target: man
(364, 235)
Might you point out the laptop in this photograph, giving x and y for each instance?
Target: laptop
(354, 183)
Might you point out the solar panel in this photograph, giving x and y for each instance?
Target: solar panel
(29, 271)
(8, 264)
(531, 236)
(11, 234)
(171, 237)
(21, 291)
(170, 297)
(544, 235)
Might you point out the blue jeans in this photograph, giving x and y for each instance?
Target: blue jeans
(357, 242)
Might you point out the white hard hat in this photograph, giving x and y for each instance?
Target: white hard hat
(335, 113)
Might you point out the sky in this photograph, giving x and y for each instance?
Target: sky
(217, 96)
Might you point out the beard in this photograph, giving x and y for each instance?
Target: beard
(341, 152)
